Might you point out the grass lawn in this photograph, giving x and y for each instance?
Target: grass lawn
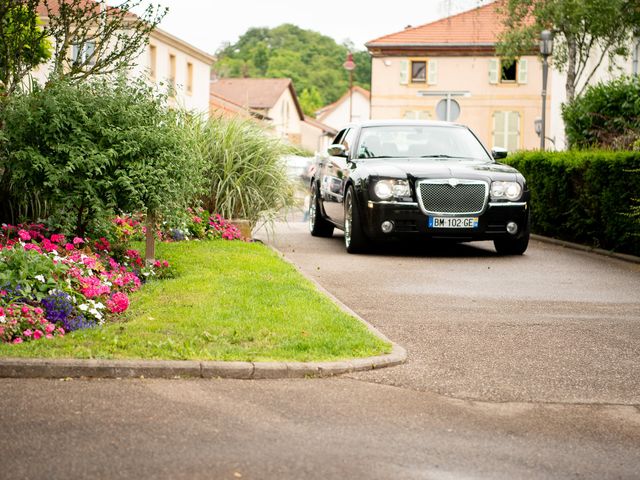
(229, 301)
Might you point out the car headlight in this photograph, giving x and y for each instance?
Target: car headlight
(508, 190)
(385, 189)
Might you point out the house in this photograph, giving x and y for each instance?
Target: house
(275, 100)
(316, 135)
(165, 60)
(352, 106)
(449, 70)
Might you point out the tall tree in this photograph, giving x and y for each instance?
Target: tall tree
(312, 60)
(24, 42)
(584, 30)
(102, 39)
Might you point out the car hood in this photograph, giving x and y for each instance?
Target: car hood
(433, 168)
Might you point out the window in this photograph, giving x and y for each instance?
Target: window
(418, 72)
(153, 62)
(506, 130)
(503, 71)
(349, 138)
(189, 78)
(172, 71)
(84, 53)
(508, 71)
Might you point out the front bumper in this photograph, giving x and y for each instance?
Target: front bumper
(409, 221)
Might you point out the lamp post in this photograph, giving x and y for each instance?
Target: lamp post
(546, 48)
(349, 65)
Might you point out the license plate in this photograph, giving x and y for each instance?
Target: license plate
(453, 222)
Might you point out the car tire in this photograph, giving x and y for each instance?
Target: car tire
(355, 240)
(318, 225)
(512, 246)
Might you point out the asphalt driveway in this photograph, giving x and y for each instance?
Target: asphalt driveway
(554, 325)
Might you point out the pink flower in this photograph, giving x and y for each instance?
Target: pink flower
(57, 238)
(48, 335)
(24, 235)
(165, 264)
(17, 340)
(31, 246)
(50, 328)
(24, 309)
(38, 311)
(118, 302)
(37, 335)
(27, 333)
(77, 241)
(60, 331)
(69, 246)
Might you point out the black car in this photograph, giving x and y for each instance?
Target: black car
(397, 179)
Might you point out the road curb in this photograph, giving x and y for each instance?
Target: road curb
(96, 368)
(78, 368)
(584, 248)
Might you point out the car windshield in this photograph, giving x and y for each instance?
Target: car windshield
(420, 141)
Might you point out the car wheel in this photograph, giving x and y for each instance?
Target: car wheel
(318, 225)
(512, 246)
(354, 238)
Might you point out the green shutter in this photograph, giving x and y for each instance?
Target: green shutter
(494, 65)
(404, 72)
(432, 75)
(513, 131)
(498, 129)
(523, 74)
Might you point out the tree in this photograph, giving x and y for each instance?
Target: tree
(582, 28)
(310, 59)
(310, 101)
(24, 42)
(102, 40)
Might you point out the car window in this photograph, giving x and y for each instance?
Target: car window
(338, 137)
(349, 139)
(420, 141)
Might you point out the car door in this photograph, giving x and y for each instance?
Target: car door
(334, 176)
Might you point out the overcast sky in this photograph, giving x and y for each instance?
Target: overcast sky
(206, 24)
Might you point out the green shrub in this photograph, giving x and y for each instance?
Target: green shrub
(244, 170)
(77, 154)
(584, 196)
(606, 116)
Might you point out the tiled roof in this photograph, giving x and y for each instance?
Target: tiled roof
(256, 93)
(479, 26)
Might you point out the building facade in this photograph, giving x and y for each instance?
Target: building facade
(449, 70)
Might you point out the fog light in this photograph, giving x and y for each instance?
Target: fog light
(512, 228)
(387, 226)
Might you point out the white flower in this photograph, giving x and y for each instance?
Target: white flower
(95, 313)
(84, 307)
(3, 319)
(99, 305)
(40, 277)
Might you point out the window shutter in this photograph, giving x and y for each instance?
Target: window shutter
(523, 75)
(75, 53)
(432, 75)
(499, 129)
(494, 65)
(513, 131)
(404, 72)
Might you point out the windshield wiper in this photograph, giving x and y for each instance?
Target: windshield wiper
(444, 155)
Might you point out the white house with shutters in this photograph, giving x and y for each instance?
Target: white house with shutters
(449, 70)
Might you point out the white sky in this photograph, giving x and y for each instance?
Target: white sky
(206, 24)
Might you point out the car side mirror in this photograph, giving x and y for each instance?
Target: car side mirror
(337, 150)
(499, 152)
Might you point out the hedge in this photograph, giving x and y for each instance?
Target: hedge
(584, 196)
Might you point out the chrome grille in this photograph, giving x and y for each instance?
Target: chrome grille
(452, 196)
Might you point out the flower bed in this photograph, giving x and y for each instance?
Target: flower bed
(51, 285)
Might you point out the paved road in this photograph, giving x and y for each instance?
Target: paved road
(518, 368)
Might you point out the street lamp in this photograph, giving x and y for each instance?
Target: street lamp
(349, 66)
(546, 48)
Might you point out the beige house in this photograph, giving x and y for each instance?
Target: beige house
(449, 70)
(274, 100)
(354, 106)
(167, 60)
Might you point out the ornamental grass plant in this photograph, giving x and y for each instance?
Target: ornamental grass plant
(246, 176)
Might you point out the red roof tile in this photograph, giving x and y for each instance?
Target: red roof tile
(481, 25)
